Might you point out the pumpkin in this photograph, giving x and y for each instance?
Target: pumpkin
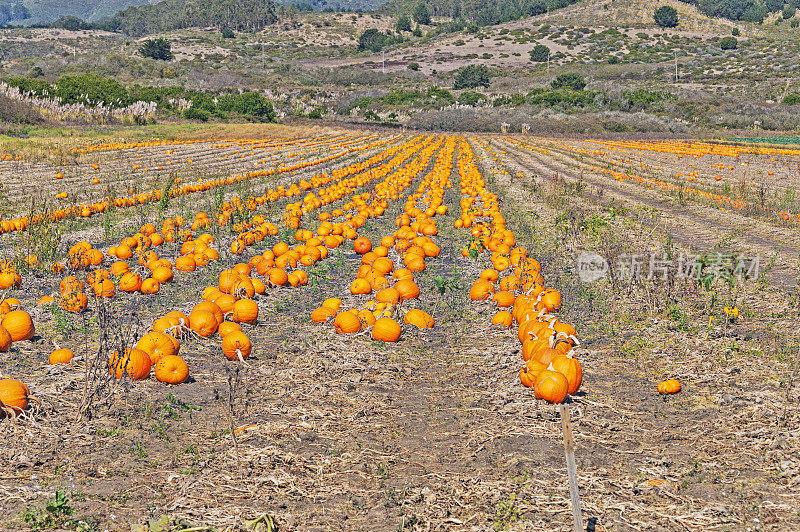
(669, 386)
(347, 322)
(407, 288)
(130, 282)
(14, 396)
(551, 386)
(481, 290)
(386, 329)
(61, 356)
(322, 314)
(171, 369)
(227, 280)
(245, 311)
(225, 302)
(362, 245)
(390, 296)
(157, 345)
(503, 319)
(211, 307)
(550, 300)
(150, 286)
(419, 318)
(332, 303)
(367, 318)
(162, 274)
(504, 299)
(360, 286)
(5, 340)
(203, 322)
(569, 366)
(19, 325)
(529, 372)
(135, 362)
(236, 346)
(227, 327)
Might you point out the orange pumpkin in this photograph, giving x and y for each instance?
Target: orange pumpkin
(171, 369)
(135, 362)
(386, 330)
(236, 346)
(19, 325)
(245, 311)
(551, 386)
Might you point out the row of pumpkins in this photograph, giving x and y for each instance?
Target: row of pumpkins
(411, 242)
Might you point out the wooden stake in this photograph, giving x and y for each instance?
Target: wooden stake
(572, 472)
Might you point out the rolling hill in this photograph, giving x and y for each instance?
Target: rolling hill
(44, 11)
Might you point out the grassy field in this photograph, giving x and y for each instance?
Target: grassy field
(319, 429)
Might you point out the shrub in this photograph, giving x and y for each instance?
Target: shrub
(793, 98)
(91, 90)
(372, 40)
(403, 23)
(159, 49)
(315, 114)
(250, 104)
(417, 32)
(666, 17)
(413, 66)
(421, 15)
(729, 43)
(735, 32)
(794, 23)
(472, 76)
(570, 80)
(470, 98)
(788, 12)
(196, 114)
(540, 53)
(227, 33)
(613, 60)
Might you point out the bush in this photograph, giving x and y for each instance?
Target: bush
(403, 23)
(196, 114)
(372, 40)
(159, 49)
(470, 98)
(417, 32)
(794, 23)
(421, 15)
(91, 90)
(472, 76)
(666, 17)
(613, 60)
(413, 66)
(729, 43)
(570, 80)
(793, 98)
(788, 12)
(227, 33)
(735, 32)
(540, 53)
(316, 114)
(250, 104)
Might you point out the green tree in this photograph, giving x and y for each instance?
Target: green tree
(160, 49)
(372, 40)
(403, 23)
(729, 43)
(91, 90)
(666, 16)
(421, 14)
(472, 76)
(570, 80)
(540, 53)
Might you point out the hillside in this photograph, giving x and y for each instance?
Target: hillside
(45, 11)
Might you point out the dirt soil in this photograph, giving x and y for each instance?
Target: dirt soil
(434, 432)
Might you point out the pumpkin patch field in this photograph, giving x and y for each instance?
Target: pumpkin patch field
(318, 328)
